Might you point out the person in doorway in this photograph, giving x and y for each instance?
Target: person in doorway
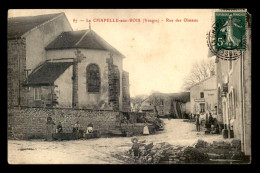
(197, 121)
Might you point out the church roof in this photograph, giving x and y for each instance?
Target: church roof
(48, 73)
(18, 26)
(85, 39)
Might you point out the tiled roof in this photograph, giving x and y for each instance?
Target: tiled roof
(66, 40)
(47, 73)
(181, 96)
(17, 26)
(86, 39)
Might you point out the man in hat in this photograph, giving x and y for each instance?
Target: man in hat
(197, 122)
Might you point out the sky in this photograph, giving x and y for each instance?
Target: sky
(158, 55)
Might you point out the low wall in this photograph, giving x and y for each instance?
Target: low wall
(221, 149)
(28, 123)
(137, 128)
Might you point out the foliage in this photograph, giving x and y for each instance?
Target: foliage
(155, 101)
(137, 102)
(199, 71)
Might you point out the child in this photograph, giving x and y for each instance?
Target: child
(59, 128)
(135, 148)
(90, 128)
(146, 130)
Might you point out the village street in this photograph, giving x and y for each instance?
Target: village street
(99, 151)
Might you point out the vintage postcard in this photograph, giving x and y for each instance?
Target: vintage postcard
(129, 86)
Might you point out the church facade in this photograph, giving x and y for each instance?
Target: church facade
(50, 65)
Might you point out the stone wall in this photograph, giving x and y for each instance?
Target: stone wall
(114, 84)
(48, 97)
(28, 123)
(203, 153)
(221, 150)
(126, 92)
(16, 72)
(137, 128)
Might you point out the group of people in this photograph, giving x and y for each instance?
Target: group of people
(75, 128)
(210, 122)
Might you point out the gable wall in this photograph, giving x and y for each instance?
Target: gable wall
(209, 87)
(38, 39)
(63, 88)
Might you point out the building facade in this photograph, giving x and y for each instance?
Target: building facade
(50, 65)
(234, 94)
(203, 96)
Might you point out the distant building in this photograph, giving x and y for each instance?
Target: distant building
(203, 96)
(175, 105)
(50, 65)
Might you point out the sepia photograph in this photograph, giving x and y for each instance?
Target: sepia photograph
(129, 86)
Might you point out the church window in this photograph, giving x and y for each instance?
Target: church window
(93, 78)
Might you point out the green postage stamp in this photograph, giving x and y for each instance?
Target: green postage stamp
(230, 30)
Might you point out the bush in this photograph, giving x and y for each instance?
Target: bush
(193, 155)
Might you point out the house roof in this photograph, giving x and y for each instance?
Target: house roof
(86, 39)
(181, 96)
(203, 80)
(18, 26)
(48, 73)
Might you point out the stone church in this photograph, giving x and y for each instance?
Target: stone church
(50, 65)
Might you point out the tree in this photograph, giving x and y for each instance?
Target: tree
(155, 101)
(137, 102)
(199, 71)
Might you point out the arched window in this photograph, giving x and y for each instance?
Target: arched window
(93, 78)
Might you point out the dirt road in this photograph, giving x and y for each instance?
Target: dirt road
(98, 151)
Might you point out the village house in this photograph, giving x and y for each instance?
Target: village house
(203, 96)
(50, 65)
(175, 105)
(234, 95)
